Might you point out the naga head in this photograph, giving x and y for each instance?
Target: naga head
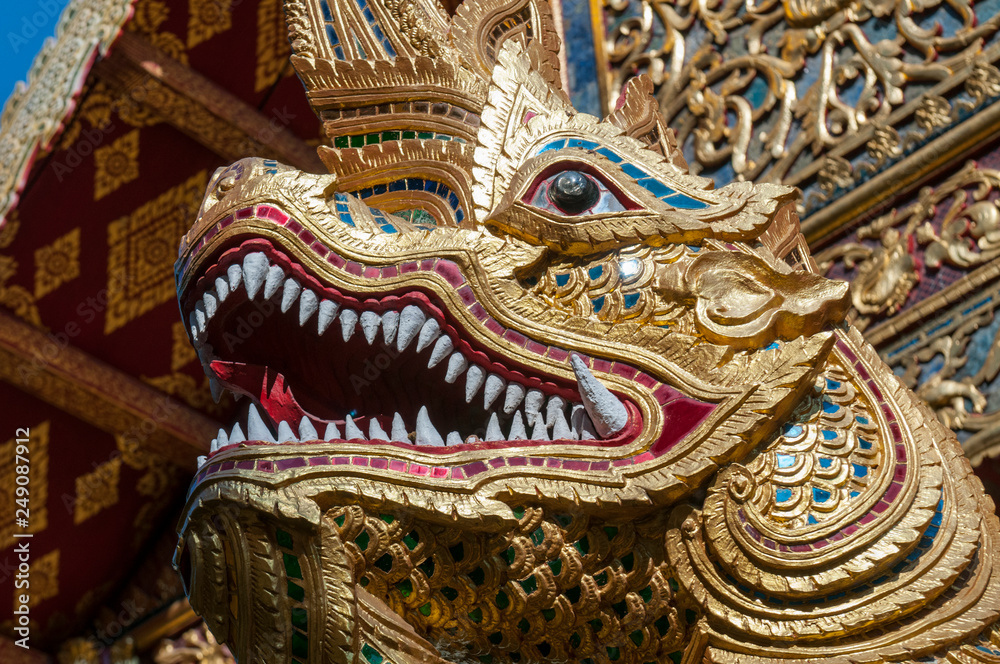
(487, 357)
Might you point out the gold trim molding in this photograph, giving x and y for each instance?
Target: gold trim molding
(34, 114)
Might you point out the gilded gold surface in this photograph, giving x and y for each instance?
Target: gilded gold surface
(817, 511)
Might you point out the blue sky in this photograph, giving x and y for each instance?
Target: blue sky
(24, 26)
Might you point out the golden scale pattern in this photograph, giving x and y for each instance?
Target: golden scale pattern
(557, 587)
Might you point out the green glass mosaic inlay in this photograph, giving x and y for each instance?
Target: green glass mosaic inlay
(292, 568)
(371, 654)
(374, 138)
(296, 592)
(300, 619)
(300, 645)
(284, 539)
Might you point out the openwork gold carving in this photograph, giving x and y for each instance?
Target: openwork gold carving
(34, 114)
(884, 273)
(814, 94)
(524, 388)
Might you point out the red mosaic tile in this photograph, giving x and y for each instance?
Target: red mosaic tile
(474, 468)
(360, 461)
(285, 464)
(558, 354)
(427, 265)
(294, 226)
(604, 366)
(494, 327)
(407, 268)
(225, 222)
(617, 463)
(644, 457)
(478, 311)
(380, 464)
(497, 463)
(244, 213)
(439, 472)
(397, 465)
(624, 370)
(354, 268)
(515, 337)
(535, 347)
(450, 272)
(416, 469)
(335, 259)
(576, 464)
(320, 249)
(371, 273)
(319, 461)
(468, 297)
(341, 461)
(517, 461)
(390, 271)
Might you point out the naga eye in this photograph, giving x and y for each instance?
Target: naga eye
(573, 192)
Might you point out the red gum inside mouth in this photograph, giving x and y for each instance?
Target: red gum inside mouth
(324, 378)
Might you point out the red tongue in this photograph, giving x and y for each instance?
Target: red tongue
(279, 402)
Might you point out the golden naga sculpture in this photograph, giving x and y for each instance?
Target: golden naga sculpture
(523, 389)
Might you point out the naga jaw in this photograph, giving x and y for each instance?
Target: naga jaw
(372, 387)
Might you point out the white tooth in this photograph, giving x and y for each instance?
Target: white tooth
(426, 433)
(513, 398)
(306, 430)
(215, 387)
(201, 460)
(560, 427)
(580, 423)
(193, 325)
(236, 436)
(473, 381)
(454, 438)
(441, 350)
(399, 433)
(235, 275)
(221, 440)
(348, 321)
(538, 432)
(327, 312)
(211, 304)
(256, 428)
(456, 365)
(369, 325)
(221, 289)
(607, 413)
(308, 303)
(332, 432)
(390, 323)
(494, 386)
(351, 430)
(285, 433)
(254, 273)
(199, 315)
(275, 277)
(410, 322)
(517, 431)
(533, 404)
(493, 431)
(375, 430)
(428, 333)
(552, 409)
(290, 294)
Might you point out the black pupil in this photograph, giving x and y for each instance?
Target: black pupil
(573, 192)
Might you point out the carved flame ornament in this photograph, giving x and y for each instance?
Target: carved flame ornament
(522, 389)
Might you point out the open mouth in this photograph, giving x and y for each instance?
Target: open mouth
(391, 369)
